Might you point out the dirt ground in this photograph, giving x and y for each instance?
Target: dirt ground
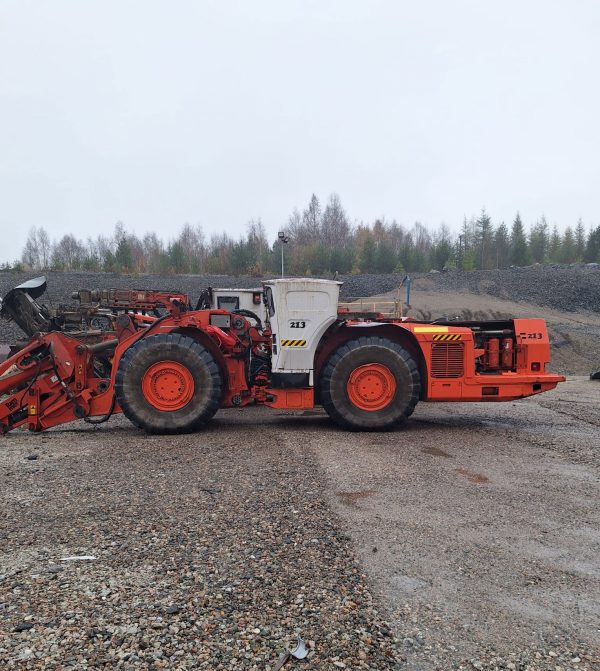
(476, 528)
(480, 524)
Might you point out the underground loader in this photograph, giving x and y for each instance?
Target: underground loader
(169, 366)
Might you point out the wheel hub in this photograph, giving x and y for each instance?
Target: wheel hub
(371, 387)
(168, 385)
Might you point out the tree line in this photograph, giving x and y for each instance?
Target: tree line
(322, 240)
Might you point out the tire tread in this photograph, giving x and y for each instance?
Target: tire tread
(358, 423)
(155, 421)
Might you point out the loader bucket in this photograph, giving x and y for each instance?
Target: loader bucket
(19, 305)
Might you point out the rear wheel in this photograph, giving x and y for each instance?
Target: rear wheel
(370, 384)
(168, 383)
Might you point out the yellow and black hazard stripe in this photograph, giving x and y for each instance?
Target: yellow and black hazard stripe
(447, 336)
(293, 343)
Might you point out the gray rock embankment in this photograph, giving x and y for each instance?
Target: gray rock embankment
(566, 288)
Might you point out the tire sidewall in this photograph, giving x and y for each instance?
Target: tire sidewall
(185, 351)
(400, 364)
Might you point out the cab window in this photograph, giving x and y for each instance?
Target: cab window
(269, 302)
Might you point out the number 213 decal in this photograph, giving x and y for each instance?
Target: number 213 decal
(297, 325)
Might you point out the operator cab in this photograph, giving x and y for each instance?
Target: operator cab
(299, 312)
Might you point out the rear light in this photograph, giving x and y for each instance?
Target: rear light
(490, 391)
(535, 366)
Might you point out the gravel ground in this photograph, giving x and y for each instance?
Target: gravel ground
(212, 551)
(481, 527)
(467, 540)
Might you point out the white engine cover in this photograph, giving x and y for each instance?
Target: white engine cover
(303, 310)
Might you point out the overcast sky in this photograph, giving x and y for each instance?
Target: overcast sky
(161, 113)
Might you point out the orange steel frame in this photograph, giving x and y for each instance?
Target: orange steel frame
(61, 385)
(532, 357)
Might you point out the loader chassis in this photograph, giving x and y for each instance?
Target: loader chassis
(169, 367)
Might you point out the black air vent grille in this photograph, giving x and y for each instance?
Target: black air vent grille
(447, 360)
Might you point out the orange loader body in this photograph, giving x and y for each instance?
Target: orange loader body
(170, 371)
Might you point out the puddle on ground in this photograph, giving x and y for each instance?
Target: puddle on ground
(436, 452)
(477, 478)
(351, 498)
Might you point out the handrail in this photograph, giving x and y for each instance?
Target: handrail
(388, 308)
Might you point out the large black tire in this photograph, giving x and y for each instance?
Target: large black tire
(386, 364)
(140, 375)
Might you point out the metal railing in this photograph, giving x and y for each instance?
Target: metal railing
(394, 309)
(391, 308)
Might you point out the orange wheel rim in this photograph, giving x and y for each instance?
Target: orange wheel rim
(371, 387)
(168, 385)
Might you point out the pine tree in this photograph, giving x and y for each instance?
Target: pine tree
(318, 258)
(554, 245)
(502, 245)
(592, 248)
(519, 255)
(568, 251)
(538, 241)
(385, 258)
(367, 255)
(485, 241)
(123, 255)
(341, 260)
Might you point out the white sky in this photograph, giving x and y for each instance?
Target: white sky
(213, 112)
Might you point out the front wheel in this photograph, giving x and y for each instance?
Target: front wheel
(168, 383)
(370, 384)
